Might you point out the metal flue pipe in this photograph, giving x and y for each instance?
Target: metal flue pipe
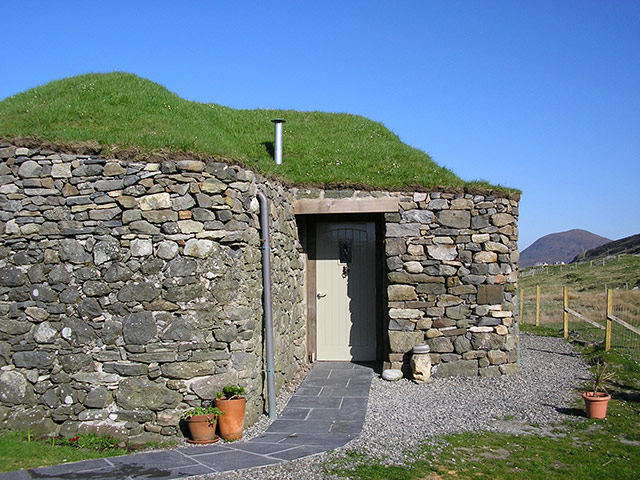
(267, 301)
(277, 140)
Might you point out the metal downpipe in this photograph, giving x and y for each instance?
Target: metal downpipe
(267, 301)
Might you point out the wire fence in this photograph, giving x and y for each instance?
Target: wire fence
(588, 315)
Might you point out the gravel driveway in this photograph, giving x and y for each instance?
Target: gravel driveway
(402, 414)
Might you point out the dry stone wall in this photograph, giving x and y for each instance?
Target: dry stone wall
(452, 266)
(451, 272)
(131, 291)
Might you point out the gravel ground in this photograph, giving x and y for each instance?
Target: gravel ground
(402, 414)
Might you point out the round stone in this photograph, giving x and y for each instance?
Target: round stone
(419, 349)
(392, 374)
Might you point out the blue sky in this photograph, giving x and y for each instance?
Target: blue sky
(539, 95)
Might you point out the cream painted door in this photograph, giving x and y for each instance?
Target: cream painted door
(346, 291)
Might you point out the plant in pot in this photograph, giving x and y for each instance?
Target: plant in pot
(596, 401)
(232, 404)
(201, 422)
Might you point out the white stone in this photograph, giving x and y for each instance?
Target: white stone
(141, 247)
(414, 267)
(485, 257)
(61, 170)
(44, 333)
(68, 399)
(167, 250)
(481, 329)
(496, 247)
(66, 333)
(502, 314)
(415, 250)
(443, 240)
(405, 313)
(419, 197)
(190, 226)
(10, 188)
(442, 252)
(392, 374)
(157, 201)
(198, 248)
(21, 151)
(480, 237)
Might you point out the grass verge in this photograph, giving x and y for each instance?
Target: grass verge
(580, 448)
(21, 450)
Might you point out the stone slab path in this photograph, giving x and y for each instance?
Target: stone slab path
(326, 412)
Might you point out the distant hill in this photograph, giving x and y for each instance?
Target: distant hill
(630, 245)
(560, 247)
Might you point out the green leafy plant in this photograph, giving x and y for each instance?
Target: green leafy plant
(230, 392)
(601, 377)
(210, 410)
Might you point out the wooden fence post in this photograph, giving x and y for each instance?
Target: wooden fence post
(565, 316)
(607, 335)
(537, 305)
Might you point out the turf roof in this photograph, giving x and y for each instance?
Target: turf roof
(123, 112)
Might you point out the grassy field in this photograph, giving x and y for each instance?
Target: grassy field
(620, 272)
(18, 450)
(125, 113)
(587, 283)
(584, 448)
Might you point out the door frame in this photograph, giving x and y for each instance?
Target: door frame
(312, 313)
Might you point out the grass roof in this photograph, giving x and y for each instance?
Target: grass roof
(122, 110)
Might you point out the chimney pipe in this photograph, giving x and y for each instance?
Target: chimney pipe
(277, 144)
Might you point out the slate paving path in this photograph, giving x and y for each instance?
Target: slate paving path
(326, 412)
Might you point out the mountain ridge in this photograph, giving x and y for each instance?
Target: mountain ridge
(560, 247)
(626, 245)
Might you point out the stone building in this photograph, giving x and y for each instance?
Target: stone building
(130, 291)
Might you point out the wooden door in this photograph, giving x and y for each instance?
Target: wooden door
(346, 291)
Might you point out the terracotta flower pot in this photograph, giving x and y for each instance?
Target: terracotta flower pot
(202, 428)
(596, 405)
(230, 423)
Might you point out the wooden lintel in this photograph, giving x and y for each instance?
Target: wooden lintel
(345, 205)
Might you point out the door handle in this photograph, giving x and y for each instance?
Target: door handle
(320, 295)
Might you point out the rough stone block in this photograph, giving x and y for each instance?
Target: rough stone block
(403, 230)
(454, 218)
(509, 368)
(497, 357)
(486, 341)
(421, 368)
(490, 294)
(440, 345)
(442, 252)
(461, 368)
(402, 342)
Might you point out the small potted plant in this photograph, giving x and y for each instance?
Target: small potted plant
(232, 404)
(201, 422)
(596, 401)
